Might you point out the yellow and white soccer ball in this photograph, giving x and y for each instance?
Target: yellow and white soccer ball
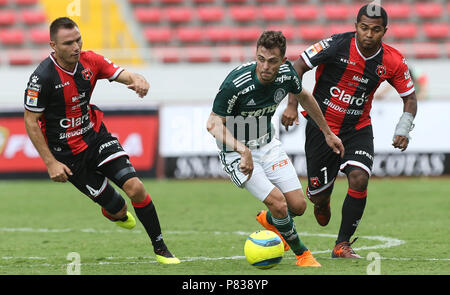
(264, 249)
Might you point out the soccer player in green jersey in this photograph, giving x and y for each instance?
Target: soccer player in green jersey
(240, 122)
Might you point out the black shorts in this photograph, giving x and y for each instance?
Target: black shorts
(106, 159)
(323, 165)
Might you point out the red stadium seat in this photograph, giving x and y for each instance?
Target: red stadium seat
(219, 34)
(164, 2)
(235, 1)
(140, 1)
(337, 11)
(273, 12)
(158, 34)
(305, 12)
(210, 13)
(25, 2)
(40, 36)
(20, 58)
(12, 37)
(398, 10)
(179, 14)
(243, 13)
(426, 50)
(437, 30)
(33, 17)
(247, 34)
(293, 51)
(404, 48)
(167, 54)
(148, 14)
(203, 1)
(340, 28)
(190, 34)
(403, 31)
(7, 17)
(3, 2)
(230, 53)
(287, 30)
(198, 54)
(312, 32)
(429, 9)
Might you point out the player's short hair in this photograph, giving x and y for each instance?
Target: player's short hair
(61, 22)
(271, 40)
(373, 11)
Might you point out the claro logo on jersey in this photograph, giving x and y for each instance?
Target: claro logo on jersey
(73, 122)
(347, 98)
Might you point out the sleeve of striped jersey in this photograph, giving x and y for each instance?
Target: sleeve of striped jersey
(402, 80)
(225, 100)
(36, 94)
(106, 68)
(321, 52)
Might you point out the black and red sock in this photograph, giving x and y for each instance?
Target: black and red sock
(146, 213)
(352, 211)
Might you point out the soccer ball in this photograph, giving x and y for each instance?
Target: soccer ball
(263, 249)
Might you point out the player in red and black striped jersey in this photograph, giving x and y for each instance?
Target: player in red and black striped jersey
(71, 138)
(350, 67)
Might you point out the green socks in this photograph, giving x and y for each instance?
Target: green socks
(287, 229)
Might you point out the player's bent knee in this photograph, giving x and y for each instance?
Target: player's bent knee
(135, 190)
(296, 202)
(277, 204)
(358, 180)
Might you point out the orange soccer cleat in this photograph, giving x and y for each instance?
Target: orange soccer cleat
(307, 259)
(262, 219)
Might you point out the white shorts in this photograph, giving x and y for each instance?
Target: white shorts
(272, 168)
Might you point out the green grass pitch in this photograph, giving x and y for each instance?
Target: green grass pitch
(205, 224)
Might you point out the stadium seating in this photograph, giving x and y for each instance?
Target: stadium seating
(426, 50)
(403, 31)
(305, 12)
(148, 14)
(210, 13)
(437, 30)
(7, 17)
(398, 11)
(429, 9)
(224, 30)
(243, 13)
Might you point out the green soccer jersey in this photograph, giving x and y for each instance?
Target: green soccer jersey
(248, 105)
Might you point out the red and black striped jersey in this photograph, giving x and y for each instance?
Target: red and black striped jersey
(346, 80)
(69, 122)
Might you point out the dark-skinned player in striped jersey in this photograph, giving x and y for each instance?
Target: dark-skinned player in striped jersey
(254, 159)
(350, 67)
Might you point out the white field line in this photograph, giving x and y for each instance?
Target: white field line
(386, 242)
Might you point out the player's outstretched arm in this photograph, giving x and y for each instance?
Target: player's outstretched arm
(216, 127)
(290, 114)
(57, 171)
(310, 105)
(134, 82)
(405, 125)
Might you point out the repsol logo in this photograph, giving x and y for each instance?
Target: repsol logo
(347, 98)
(73, 122)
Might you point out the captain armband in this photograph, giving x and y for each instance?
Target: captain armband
(404, 125)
